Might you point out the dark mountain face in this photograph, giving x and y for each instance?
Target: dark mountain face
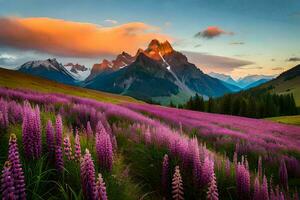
(49, 69)
(75, 68)
(291, 73)
(158, 72)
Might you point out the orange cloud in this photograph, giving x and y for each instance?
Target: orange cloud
(75, 39)
(211, 32)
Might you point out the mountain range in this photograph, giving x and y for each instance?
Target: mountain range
(243, 83)
(158, 73)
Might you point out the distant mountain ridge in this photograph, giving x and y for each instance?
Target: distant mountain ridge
(49, 69)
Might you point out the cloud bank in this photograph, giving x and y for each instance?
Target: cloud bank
(212, 32)
(210, 63)
(293, 59)
(74, 39)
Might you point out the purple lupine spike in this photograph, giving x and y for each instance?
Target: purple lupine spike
(59, 162)
(16, 168)
(100, 188)
(259, 167)
(227, 168)
(100, 128)
(296, 196)
(7, 183)
(89, 131)
(104, 150)
(212, 193)
(264, 189)
(67, 147)
(177, 185)
(87, 173)
(31, 132)
(77, 147)
(38, 134)
(196, 161)
(58, 130)
(206, 171)
(256, 192)
(165, 174)
(243, 181)
(50, 138)
(283, 174)
(235, 158)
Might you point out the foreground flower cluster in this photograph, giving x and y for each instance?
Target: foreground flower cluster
(188, 168)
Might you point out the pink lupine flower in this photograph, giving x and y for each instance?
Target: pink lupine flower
(68, 148)
(77, 147)
(16, 168)
(177, 185)
(50, 138)
(227, 168)
(259, 167)
(283, 174)
(31, 132)
(165, 174)
(7, 183)
(87, 173)
(212, 193)
(100, 188)
(59, 162)
(89, 131)
(243, 181)
(256, 192)
(264, 189)
(58, 130)
(207, 171)
(104, 150)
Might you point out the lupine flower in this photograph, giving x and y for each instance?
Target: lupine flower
(227, 168)
(259, 167)
(7, 183)
(59, 162)
(283, 174)
(243, 181)
(104, 150)
(177, 185)
(58, 130)
(31, 132)
(212, 193)
(77, 147)
(89, 131)
(100, 188)
(165, 174)
(87, 173)
(50, 138)
(264, 189)
(207, 171)
(68, 148)
(256, 192)
(16, 168)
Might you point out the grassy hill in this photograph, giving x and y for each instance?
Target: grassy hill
(294, 120)
(15, 79)
(287, 82)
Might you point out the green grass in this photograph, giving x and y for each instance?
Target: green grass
(15, 79)
(294, 120)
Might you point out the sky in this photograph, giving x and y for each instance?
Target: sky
(234, 37)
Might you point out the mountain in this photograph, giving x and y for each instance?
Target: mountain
(49, 69)
(158, 73)
(106, 66)
(256, 83)
(225, 78)
(248, 80)
(80, 72)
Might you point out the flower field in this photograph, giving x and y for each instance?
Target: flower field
(55, 146)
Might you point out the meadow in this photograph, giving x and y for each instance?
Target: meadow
(58, 146)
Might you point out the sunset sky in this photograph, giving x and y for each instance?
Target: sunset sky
(236, 37)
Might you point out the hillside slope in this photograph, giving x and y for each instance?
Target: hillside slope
(15, 79)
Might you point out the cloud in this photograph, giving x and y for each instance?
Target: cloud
(210, 63)
(251, 67)
(237, 43)
(197, 45)
(212, 32)
(278, 68)
(6, 59)
(167, 24)
(294, 59)
(75, 39)
(111, 21)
